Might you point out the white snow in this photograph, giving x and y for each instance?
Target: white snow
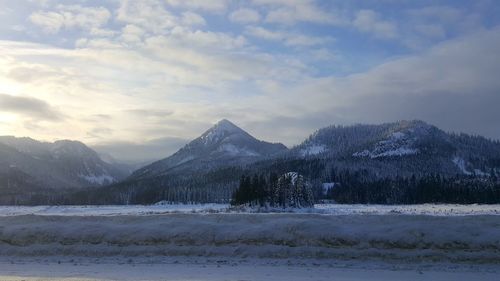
(186, 159)
(398, 135)
(112, 210)
(179, 269)
(323, 209)
(473, 239)
(169, 242)
(400, 151)
(292, 176)
(313, 149)
(397, 144)
(480, 173)
(101, 179)
(219, 131)
(460, 162)
(327, 186)
(420, 209)
(233, 150)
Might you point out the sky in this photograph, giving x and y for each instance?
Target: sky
(139, 79)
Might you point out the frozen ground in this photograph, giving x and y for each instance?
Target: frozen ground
(473, 239)
(186, 242)
(421, 209)
(110, 210)
(332, 209)
(247, 270)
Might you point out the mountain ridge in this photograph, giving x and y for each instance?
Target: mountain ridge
(60, 164)
(223, 142)
(208, 168)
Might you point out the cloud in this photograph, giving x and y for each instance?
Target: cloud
(30, 108)
(70, 16)
(209, 6)
(160, 68)
(288, 39)
(150, 15)
(441, 13)
(192, 19)
(295, 11)
(147, 113)
(132, 33)
(431, 30)
(369, 21)
(245, 15)
(453, 86)
(148, 151)
(100, 132)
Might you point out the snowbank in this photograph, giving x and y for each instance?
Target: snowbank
(412, 238)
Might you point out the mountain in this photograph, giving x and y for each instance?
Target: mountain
(223, 145)
(399, 162)
(401, 148)
(209, 168)
(62, 164)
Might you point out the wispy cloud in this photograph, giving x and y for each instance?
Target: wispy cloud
(70, 16)
(369, 21)
(136, 71)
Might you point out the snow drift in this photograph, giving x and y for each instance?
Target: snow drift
(412, 238)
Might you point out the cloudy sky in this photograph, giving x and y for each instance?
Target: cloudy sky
(150, 75)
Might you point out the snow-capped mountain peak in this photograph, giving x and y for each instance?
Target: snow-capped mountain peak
(222, 144)
(219, 131)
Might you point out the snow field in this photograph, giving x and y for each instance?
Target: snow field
(469, 239)
(326, 209)
(216, 270)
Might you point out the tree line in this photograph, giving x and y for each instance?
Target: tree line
(290, 190)
(432, 188)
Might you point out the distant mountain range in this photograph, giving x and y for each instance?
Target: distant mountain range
(209, 167)
(30, 168)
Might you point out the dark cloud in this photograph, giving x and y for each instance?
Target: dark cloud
(454, 86)
(31, 108)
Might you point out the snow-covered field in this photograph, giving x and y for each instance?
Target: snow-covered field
(212, 242)
(112, 210)
(401, 237)
(422, 209)
(213, 269)
(326, 209)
